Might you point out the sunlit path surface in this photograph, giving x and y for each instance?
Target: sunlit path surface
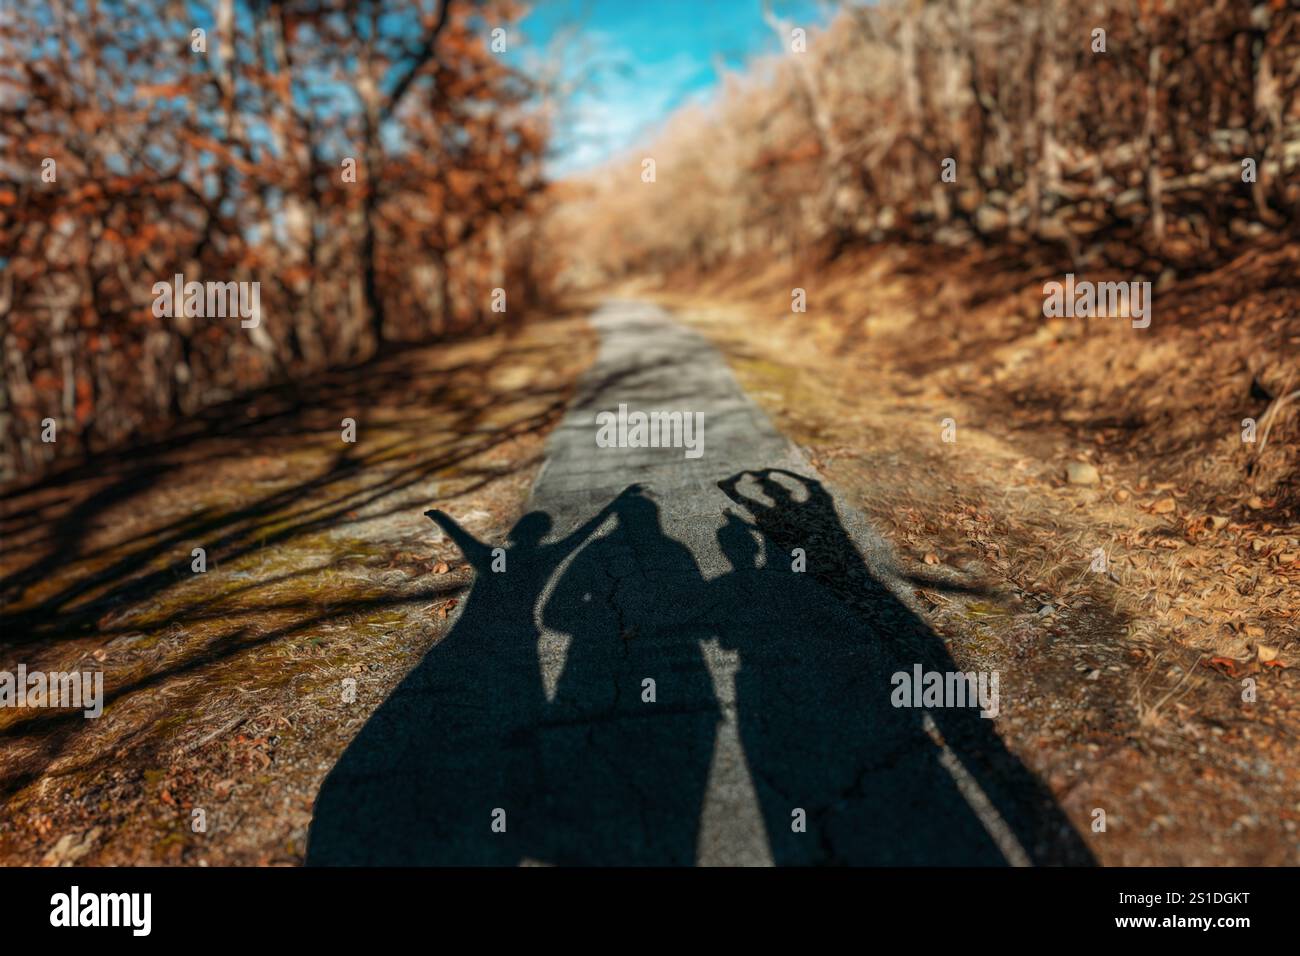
(677, 660)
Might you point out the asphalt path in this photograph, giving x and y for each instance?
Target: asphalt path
(681, 655)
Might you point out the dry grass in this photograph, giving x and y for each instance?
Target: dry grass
(225, 688)
(1126, 683)
(1201, 530)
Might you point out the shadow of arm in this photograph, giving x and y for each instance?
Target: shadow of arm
(579, 535)
(730, 488)
(475, 551)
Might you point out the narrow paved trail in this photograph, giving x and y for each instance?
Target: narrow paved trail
(679, 660)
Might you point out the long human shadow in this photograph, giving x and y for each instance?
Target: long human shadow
(455, 743)
(614, 768)
(468, 738)
(871, 783)
(628, 738)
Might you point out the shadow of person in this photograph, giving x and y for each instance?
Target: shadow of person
(454, 743)
(877, 784)
(627, 741)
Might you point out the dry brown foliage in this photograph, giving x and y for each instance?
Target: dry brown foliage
(1130, 158)
(228, 165)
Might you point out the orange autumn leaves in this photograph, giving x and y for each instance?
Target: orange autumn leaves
(228, 165)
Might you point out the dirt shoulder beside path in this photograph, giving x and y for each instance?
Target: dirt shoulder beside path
(1124, 680)
(225, 690)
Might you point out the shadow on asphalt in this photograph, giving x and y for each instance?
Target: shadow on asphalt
(594, 774)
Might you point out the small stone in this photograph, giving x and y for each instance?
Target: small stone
(71, 848)
(1081, 473)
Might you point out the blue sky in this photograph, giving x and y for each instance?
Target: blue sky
(650, 57)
